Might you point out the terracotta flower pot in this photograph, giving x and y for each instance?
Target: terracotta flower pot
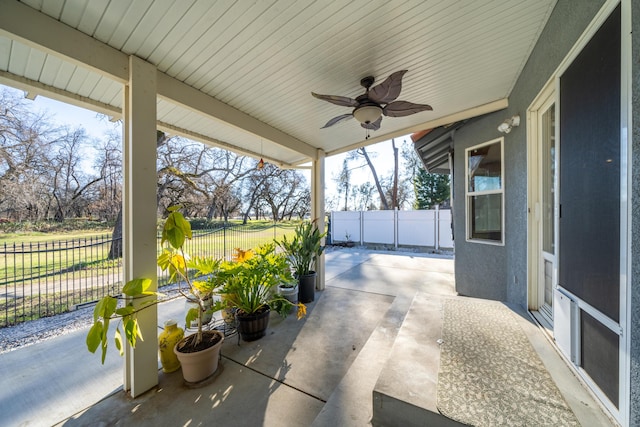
(199, 365)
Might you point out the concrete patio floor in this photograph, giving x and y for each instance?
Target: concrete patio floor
(319, 371)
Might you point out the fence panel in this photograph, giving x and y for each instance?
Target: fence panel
(378, 227)
(47, 278)
(445, 231)
(417, 228)
(345, 225)
(427, 228)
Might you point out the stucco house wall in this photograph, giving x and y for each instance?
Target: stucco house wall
(500, 272)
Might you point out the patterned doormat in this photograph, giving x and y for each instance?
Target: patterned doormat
(490, 375)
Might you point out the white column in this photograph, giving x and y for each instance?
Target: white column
(317, 208)
(139, 216)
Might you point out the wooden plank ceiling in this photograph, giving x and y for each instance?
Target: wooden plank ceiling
(264, 58)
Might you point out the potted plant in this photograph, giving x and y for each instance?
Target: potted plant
(250, 283)
(303, 250)
(198, 353)
(197, 277)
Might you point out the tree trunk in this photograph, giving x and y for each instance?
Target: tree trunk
(394, 195)
(383, 199)
(116, 238)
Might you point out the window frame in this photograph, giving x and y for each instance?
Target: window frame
(470, 194)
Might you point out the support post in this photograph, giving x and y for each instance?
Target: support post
(139, 216)
(437, 228)
(395, 228)
(361, 223)
(317, 208)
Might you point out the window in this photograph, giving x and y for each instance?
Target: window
(485, 192)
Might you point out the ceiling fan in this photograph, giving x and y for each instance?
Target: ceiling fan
(369, 107)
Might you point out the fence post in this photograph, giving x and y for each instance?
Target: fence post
(331, 233)
(395, 227)
(437, 230)
(361, 214)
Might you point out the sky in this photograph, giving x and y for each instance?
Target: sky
(98, 126)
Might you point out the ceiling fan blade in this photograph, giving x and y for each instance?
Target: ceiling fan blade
(373, 125)
(343, 101)
(337, 120)
(404, 108)
(388, 90)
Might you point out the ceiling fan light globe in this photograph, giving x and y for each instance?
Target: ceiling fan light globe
(367, 113)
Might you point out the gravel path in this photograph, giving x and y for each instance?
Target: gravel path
(35, 331)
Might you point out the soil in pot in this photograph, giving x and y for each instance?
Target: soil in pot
(208, 340)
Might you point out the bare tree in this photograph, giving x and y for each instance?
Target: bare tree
(363, 196)
(282, 192)
(343, 180)
(383, 199)
(107, 202)
(70, 183)
(25, 138)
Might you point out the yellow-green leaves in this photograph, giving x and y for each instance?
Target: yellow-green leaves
(137, 287)
(176, 229)
(107, 309)
(97, 336)
(94, 337)
(192, 315)
(174, 262)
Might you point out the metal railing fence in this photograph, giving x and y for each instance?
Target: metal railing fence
(47, 278)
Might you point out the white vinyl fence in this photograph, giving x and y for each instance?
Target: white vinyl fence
(430, 228)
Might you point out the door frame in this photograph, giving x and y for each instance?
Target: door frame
(622, 413)
(535, 300)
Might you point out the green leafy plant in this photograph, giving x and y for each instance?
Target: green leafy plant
(304, 248)
(251, 278)
(138, 297)
(184, 270)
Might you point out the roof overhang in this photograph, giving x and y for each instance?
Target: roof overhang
(239, 75)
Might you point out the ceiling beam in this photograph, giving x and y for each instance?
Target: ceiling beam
(36, 88)
(58, 39)
(170, 129)
(479, 110)
(53, 37)
(176, 91)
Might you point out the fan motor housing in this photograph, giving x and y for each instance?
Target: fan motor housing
(366, 82)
